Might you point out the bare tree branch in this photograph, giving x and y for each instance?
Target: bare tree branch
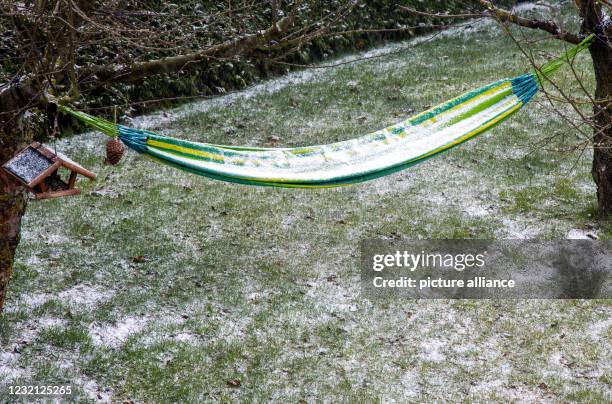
(176, 63)
(543, 25)
(20, 93)
(503, 15)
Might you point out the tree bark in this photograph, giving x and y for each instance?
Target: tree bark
(13, 202)
(601, 53)
(602, 155)
(16, 130)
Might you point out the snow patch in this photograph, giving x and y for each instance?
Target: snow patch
(56, 239)
(409, 381)
(575, 234)
(515, 229)
(9, 373)
(234, 329)
(48, 322)
(34, 260)
(597, 330)
(431, 350)
(9, 358)
(81, 295)
(93, 390)
(84, 295)
(529, 6)
(486, 386)
(34, 300)
(185, 337)
(477, 210)
(115, 335)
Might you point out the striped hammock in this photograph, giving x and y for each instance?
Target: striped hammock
(374, 155)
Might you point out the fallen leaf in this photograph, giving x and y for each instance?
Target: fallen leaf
(139, 259)
(234, 383)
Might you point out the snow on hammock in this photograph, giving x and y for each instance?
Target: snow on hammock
(371, 156)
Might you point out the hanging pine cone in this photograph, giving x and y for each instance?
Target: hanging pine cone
(114, 151)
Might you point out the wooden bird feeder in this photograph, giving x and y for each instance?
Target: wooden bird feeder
(38, 168)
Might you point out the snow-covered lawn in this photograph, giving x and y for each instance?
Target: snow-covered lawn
(159, 286)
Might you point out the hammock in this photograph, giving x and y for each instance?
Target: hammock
(374, 155)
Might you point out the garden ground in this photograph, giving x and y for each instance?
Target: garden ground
(157, 285)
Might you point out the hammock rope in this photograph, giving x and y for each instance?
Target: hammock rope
(380, 153)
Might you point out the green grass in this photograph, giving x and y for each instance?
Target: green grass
(262, 285)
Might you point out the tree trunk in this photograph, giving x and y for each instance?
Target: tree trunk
(13, 201)
(602, 156)
(16, 130)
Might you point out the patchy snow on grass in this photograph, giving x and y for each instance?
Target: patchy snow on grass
(477, 210)
(234, 329)
(517, 229)
(531, 6)
(185, 337)
(430, 351)
(334, 298)
(48, 322)
(85, 296)
(54, 238)
(576, 234)
(80, 296)
(33, 300)
(93, 391)
(10, 353)
(10, 372)
(409, 382)
(114, 336)
(326, 336)
(467, 29)
(600, 329)
(167, 326)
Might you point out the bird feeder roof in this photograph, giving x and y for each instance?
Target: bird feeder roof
(36, 162)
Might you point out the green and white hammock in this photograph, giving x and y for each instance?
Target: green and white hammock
(374, 155)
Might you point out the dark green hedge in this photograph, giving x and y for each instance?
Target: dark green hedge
(210, 79)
